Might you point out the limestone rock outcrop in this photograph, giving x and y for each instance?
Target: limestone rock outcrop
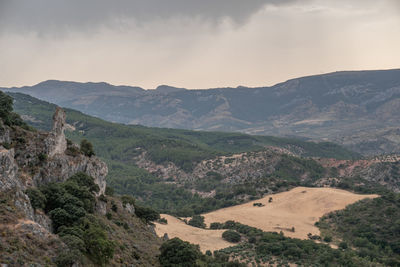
(61, 167)
(37, 158)
(56, 142)
(4, 133)
(8, 170)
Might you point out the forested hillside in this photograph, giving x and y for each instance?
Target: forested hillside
(121, 146)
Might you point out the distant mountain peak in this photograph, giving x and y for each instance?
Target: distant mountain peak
(169, 89)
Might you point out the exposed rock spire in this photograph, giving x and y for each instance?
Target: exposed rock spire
(56, 142)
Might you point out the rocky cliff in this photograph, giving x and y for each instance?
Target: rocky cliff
(29, 159)
(34, 158)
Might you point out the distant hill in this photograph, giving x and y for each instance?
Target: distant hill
(358, 109)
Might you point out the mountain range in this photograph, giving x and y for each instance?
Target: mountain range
(358, 109)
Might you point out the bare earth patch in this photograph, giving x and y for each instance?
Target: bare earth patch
(300, 208)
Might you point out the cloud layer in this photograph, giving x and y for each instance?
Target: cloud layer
(191, 43)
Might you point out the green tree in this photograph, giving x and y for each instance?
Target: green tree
(6, 107)
(87, 148)
(98, 247)
(37, 198)
(176, 252)
(148, 214)
(197, 221)
(231, 236)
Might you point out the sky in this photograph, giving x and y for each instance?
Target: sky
(191, 43)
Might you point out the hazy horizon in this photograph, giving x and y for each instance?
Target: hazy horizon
(241, 85)
(192, 44)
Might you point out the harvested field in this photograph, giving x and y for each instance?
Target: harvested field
(300, 208)
(207, 239)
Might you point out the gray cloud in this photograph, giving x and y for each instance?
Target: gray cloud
(190, 43)
(52, 16)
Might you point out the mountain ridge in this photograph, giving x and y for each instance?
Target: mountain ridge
(354, 108)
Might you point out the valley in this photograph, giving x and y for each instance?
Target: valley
(270, 190)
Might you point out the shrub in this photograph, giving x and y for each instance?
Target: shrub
(73, 242)
(216, 225)
(98, 247)
(109, 191)
(37, 198)
(82, 179)
(343, 245)
(103, 198)
(176, 252)
(231, 236)
(328, 238)
(197, 221)
(114, 206)
(148, 214)
(67, 258)
(42, 157)
(6, 112)
(163, 221)
(87, 148)
(126, 199)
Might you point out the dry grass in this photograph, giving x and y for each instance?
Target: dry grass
(300, 208)
(207, 239)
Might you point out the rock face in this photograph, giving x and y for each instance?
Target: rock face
(26, 164)
(10, 182)
(56, 142)
(4, 133)
(60, 166)
(8, 170)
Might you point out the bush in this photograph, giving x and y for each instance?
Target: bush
(87, 148)
(69, 205)
(114, 206)
(67, 258)
(82, 179)
(109, 191)
(328, 238)
(343, 245)
(231, 236)
(6, 112)
(126, 199)
(216, 225)
(163, 221)
(197, 221)
(103, 198)
(148, 214)
(98, 247)
(42, 157)
(37, 198)
(176, 252)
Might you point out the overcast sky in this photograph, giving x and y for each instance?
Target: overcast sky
(194, 43)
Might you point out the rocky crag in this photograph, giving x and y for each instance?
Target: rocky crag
(30, 159)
